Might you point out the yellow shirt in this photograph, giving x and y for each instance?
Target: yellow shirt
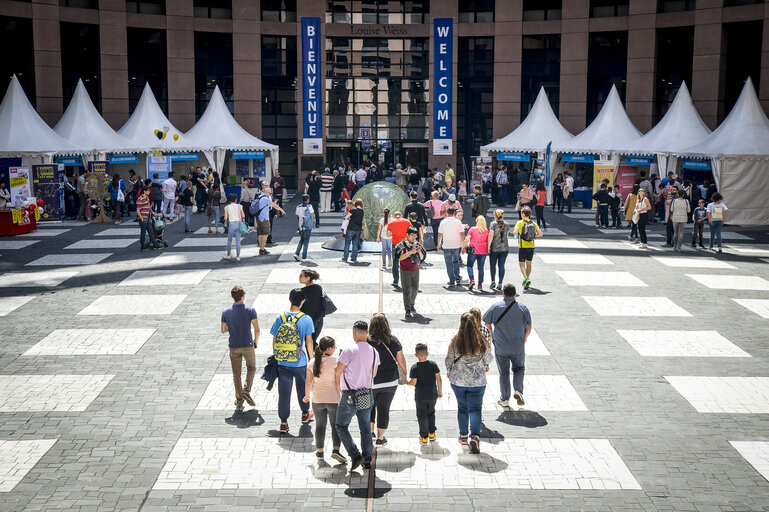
(521, 242)
(450, 175)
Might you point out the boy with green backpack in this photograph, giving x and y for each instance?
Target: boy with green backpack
(527, 230)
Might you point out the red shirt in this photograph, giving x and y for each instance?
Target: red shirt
(143, 207)
(408, 265)
(540, 198)
(398, 228)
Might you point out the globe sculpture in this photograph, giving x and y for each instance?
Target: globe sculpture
(376, 197)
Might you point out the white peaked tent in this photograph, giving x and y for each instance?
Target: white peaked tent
(536, 131)
(611, 130)
(83, 126)
(739, 156)
(22, 131)
(680, 128)
(140, 128)
(218, 132)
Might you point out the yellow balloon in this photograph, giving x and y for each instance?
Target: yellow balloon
(176, 136)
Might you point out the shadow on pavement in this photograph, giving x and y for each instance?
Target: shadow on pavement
(246, 419)
(521, 418)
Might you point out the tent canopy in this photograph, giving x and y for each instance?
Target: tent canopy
(83, 126)
(745, 131)
(140, 128)
(680, 128)
(611, 130)
(23, 132)
(538, 129)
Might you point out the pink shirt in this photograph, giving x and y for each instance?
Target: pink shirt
(359, 361)
(437, 203)
(478, 240)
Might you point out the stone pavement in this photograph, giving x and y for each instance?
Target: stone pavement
(647, 379)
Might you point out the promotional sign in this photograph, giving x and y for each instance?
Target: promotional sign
(574, 157)
(513, 157)
(242, 168)
(160, 165)
(49, 186)
(443, 54)
(311, 94)
(184, 157)
(260, 170)
(21, 186)
(247, 155)
(602, 170)
(124, 159)
(626, 176)
(638, 160)
(692, 163)
(547, 166)
(70, 161)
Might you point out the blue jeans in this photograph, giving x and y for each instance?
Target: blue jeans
(715, 232)
(188, 218)
(435, 223)
(569, 199)
(387, 250)
(351, 237)
(451, 257)
(344, 414)
(497, 259)
(213, 219)
(233, 230)
(146, 227)
(469, 406)
(504, 363)
(304, 242)
(286, 377)
(471, 259)
(603, 214)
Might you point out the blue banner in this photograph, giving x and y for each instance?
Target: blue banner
(638, 160)
(160, 165)
(547, 164)
(443, 55)
(184, 157)
(693, 163)
(49, 186)
(513, 157)
(312, 134)
(124, 159)
(575, 157)
(70, 161)
(246, 155)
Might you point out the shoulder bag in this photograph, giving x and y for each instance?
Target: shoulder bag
(401, 374)
(362, 397)
(327, 305)
(503, 313)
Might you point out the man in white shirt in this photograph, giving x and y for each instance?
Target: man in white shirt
(360, 178)
(502, 192)
(569, 186)
(169, 196)
(451, 233)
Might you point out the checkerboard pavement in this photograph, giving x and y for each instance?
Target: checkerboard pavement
(116, 391)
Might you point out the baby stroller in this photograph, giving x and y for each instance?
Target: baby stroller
(158, 226)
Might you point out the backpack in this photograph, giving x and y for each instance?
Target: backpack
(307, 220)
(529, 231)
(288, 340)
(254, 208)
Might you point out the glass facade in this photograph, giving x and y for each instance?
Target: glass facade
(476, 11)
(221, 9)
(147, 64)
(608, 8)
(475, 94)
(80, 60)
(146, 6)
(383, 12)
(279, 99)
(607, 66)
(539, 10)
(84, 4)
(675, 53)
(213, 67)
(743, 59)
(278, 10)
(540, 67)
(676, 5)
(16, 33)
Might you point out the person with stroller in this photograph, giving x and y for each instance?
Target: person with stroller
(145, 214)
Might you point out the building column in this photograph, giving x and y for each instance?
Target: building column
(247, 65)
(709, 62)
(46, 39)
(575, 26)
(445, 9)
(508, 52)
(180, 37)
(642, 39)
(114, 62)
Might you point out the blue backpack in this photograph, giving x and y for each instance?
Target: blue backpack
(307, 221)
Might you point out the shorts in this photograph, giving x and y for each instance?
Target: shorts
(263, 227)
(525, 254)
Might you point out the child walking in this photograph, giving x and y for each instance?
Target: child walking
(425, 376)
(700, 215)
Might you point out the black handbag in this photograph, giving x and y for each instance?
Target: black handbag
(327, 305)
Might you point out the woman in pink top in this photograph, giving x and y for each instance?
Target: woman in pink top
(525, 198)
(477, 247)
(435, 220)
(321, 373)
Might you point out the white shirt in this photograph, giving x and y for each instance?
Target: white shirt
(453, 233)
(233, 212)
(360, 175)
(299, 212)
(570, 184)
(169, 188)
(383, 232)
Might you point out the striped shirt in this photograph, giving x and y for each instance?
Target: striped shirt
(327, 182)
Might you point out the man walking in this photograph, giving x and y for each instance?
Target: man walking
(451, 234)
(247, 196)
(568, 190)
(527, 230)
(144, 213)
(313, 190)
(481, 203)
(278, 184)
(306, 217)
(237, 321)
(398, 228)
(291, 339)
(355, 372)
(336, 191)
(326, 187)
(416, 207)
(169, 196)
(410, 254)
(82, 194)
(509, 323)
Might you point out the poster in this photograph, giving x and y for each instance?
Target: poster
(260, 170)
(626, 177)
(98, 177)
(21, 187)
(602, 169)
(312, 134)
(443, 56)
(49, 186)
(242, 168)
(160, 165)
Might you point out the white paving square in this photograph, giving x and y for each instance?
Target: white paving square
(553, 232)
(368, 303)
(199, 241)
(681, 344)
(182, 258)
(566, 258)
(43, 232)
(586, 278)
(59, 393)
(10, 245)
(747, 250)
(70, 259)
(357, 275)
(732, 395)
(165, 278)
(554, 243)
(11, 303)
(40, 278)
(692, 262)
(635, 306)
(756, 453)
(758, 306)
(204, 231)
(89, 342)
(104, 243)
(134, 305)
(121, 231)
(17, 458)
(729, 282)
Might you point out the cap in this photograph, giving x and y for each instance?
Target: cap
(452, 197)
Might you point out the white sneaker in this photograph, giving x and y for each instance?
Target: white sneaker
(504, 403)
(642, 246)
(519, 398)
(297, 258)
(227, 257)
(237, 258)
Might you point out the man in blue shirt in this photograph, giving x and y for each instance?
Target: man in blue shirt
(264, 204)
(237, 321)
(291, 339)
(509, 323)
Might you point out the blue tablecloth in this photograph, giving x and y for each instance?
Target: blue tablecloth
(586, 196)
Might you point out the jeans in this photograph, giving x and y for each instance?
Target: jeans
(236, 360)
(669, 231)
(502, 196)
(168, 205)
(188, 218)
(633, 230)
(324, 414)
(603, 213)
(569, 200)
(715, 232)
(117, 210)
(82, 201)
(380, 413)
(335, 195)
(558, 199)
(540, 209)
(643, 218)
(410, 284)
(316, 209)
(213, 219)
(451, 257)
(497, 260)
(469, 406)
(698, 228)
(287, 375)
(146, 226)
(351, 237)
(471, 259)
(387, 250)
(157, 206)
(233, 230)
(435, 223)
(678, 235)
(325, 201)
(304, 242)
(426, 416)
(344, 414)
(396, 270)
(615, 219)
(517, 361)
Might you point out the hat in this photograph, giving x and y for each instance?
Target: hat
(452, 197)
